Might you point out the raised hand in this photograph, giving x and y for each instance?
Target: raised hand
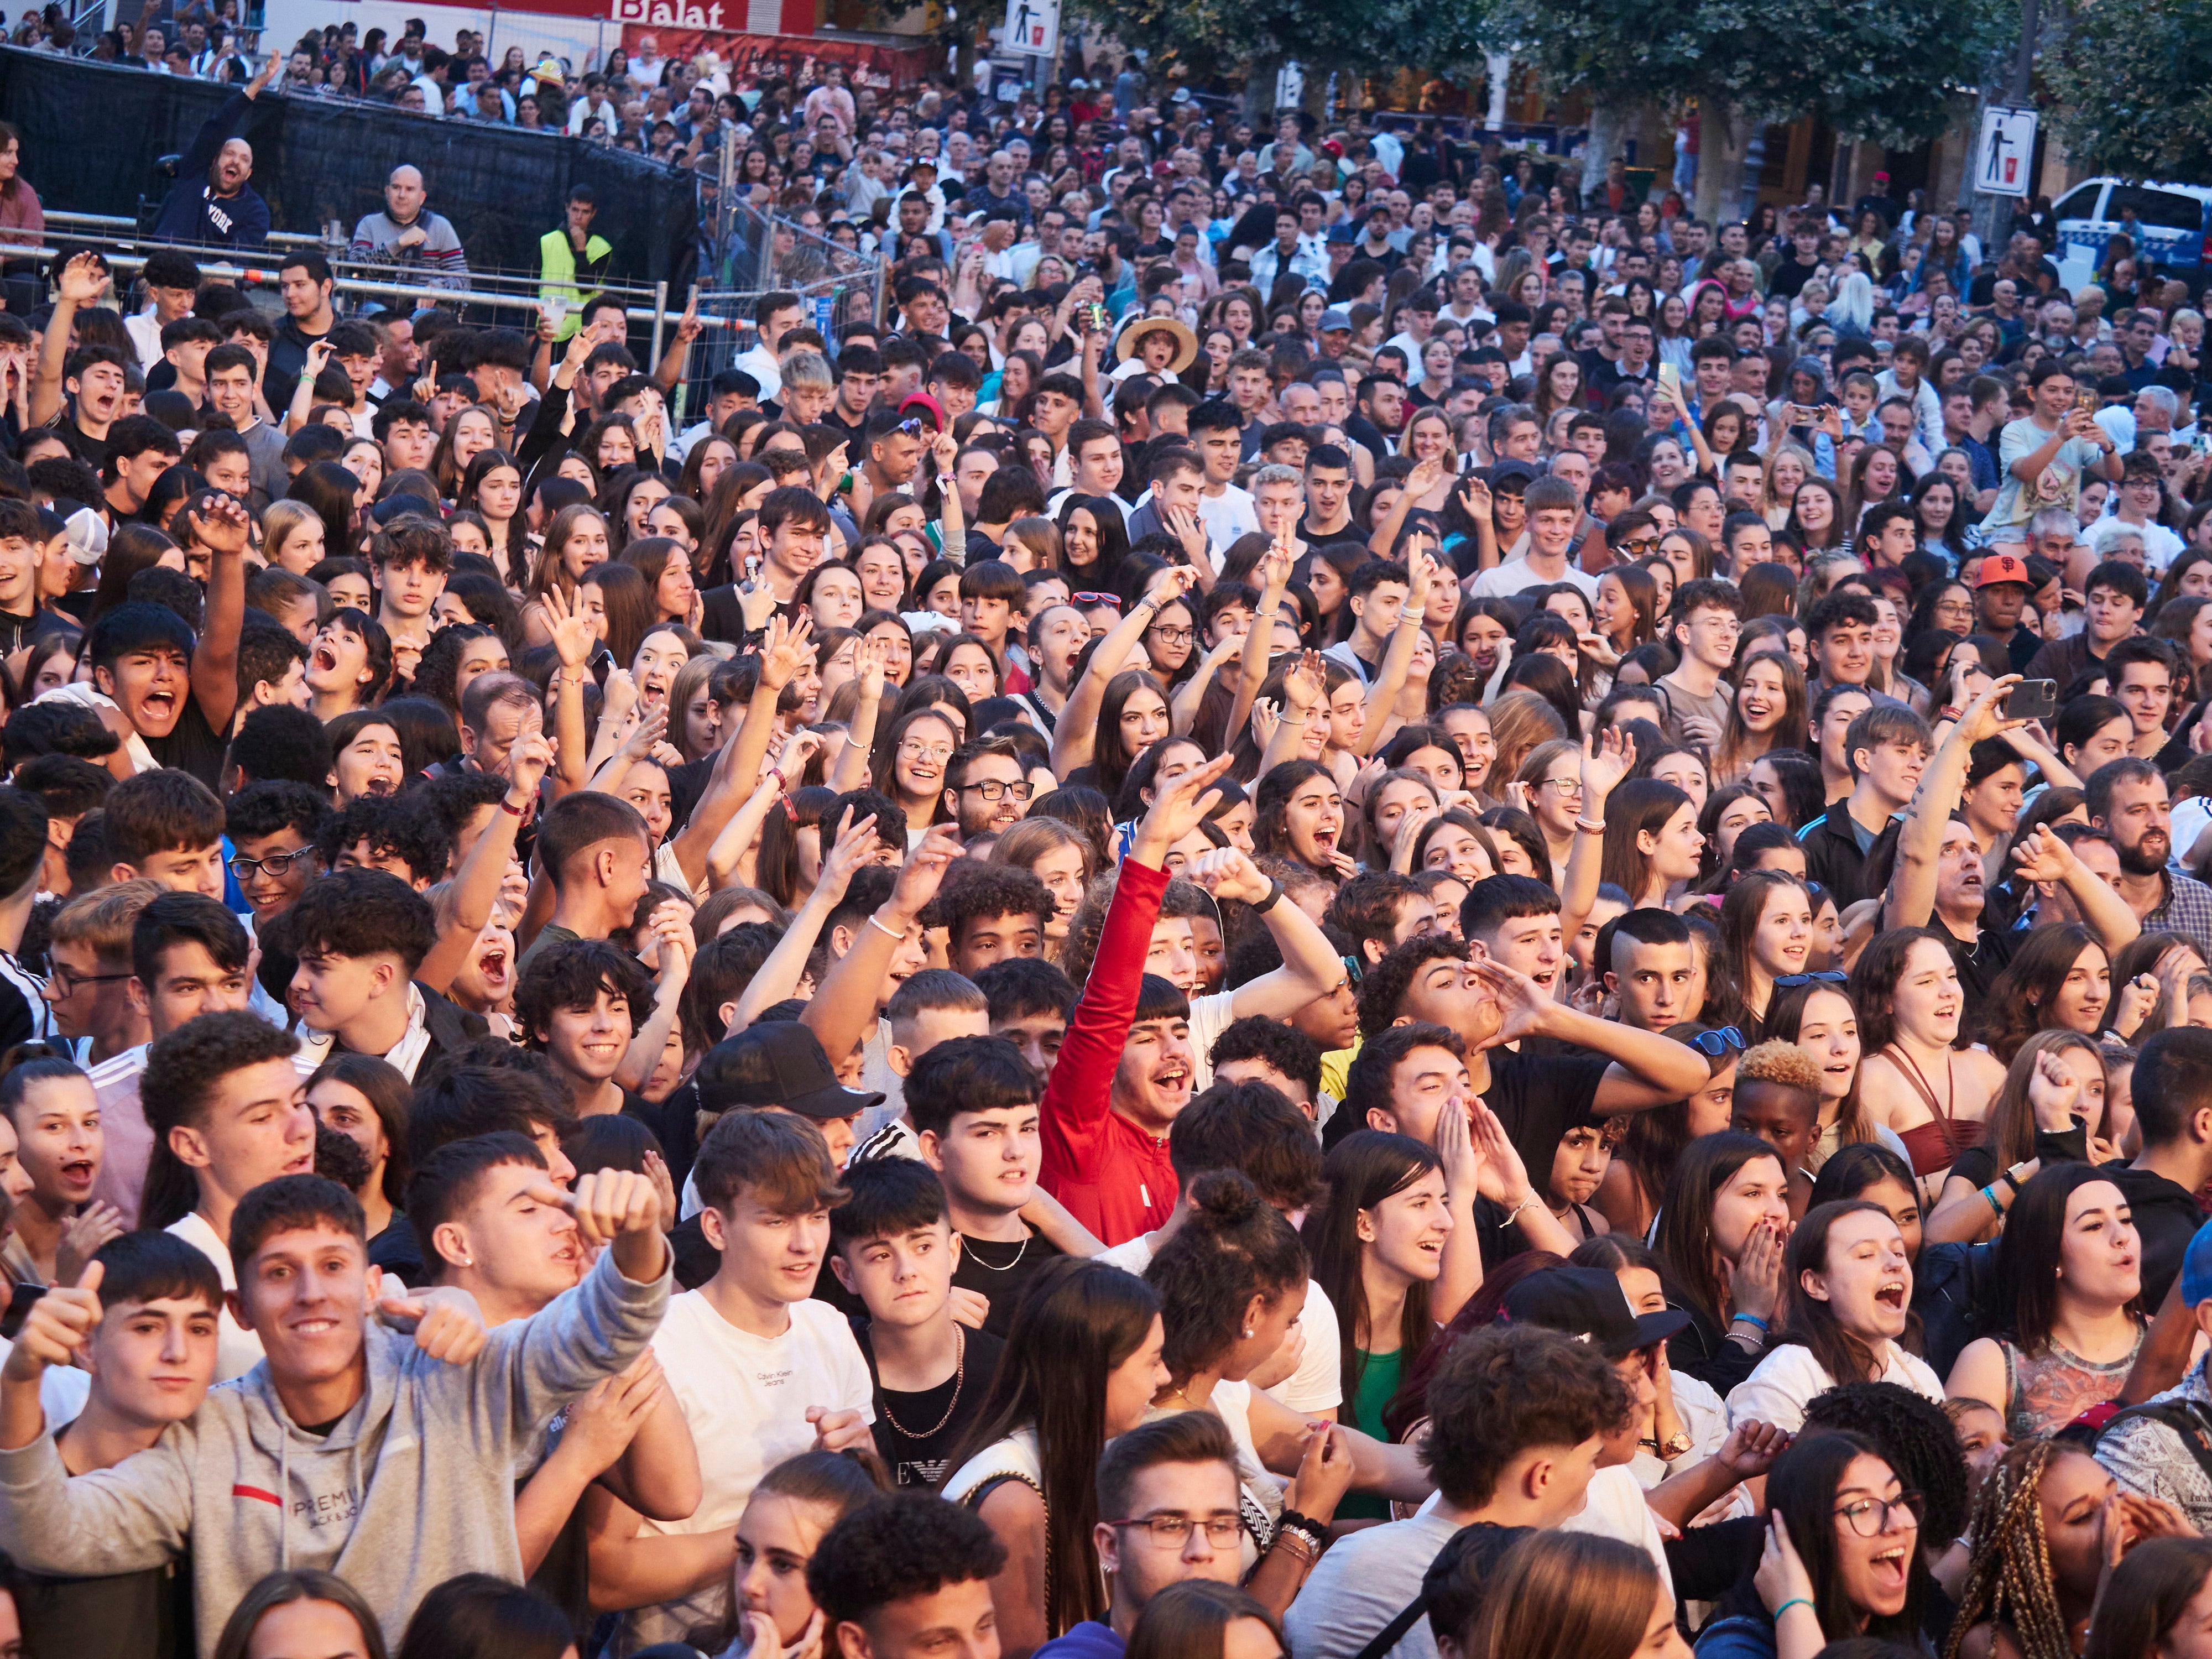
(854, 846)
(574, 636)
(1751, 1447)
(1755, 1280)
(1607, 759)
(1227, 874)
(81, 1238)
(2042, 858)
(84, 279)
(527, 762)
(1177, 809)
(2053, 1092)
(618, 696)
(1169, 585)
(57, 1324)
(669, 950)
(924, 869)
(1981, 719)
(607, 1204)
(786, 650)
(221, 524)
(1782, 1578)
(1303, 686)
(448, 1326)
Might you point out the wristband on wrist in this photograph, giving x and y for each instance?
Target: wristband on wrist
(881, 926)
(1588, 827)
(1794, 1601)
(1990, 1198)
(1749, 1319)
(1274, 894)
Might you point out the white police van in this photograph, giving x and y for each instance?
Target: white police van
(2170, 224)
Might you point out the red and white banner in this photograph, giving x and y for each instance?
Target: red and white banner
(683, 28)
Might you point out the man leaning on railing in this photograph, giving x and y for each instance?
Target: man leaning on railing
(406, 234)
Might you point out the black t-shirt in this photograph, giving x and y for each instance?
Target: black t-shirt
(193, 747)
(91, 451)
(1539, 1097)
(1979, 962)
(395, 1250)
(126, 1616)
(997, 1271)
(916, 1433)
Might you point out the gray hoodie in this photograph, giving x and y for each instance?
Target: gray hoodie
(414, 1485)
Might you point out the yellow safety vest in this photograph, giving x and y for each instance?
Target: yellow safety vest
(556, 274)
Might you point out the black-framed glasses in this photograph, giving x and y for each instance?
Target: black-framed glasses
(1222, 1531)
(1717, 1041)
(995, 789)
(63, 983)
(275, 863)
(1172, 636)
(1825, 976)
(1869, 1517)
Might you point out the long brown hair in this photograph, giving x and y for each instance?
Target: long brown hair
(1791, 733)
(1811, 1323)
(1076, 1323)
(1364, 1168)
(1567, 1596)
(1685, 1234)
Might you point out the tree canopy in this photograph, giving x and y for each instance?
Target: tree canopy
(2132, 88)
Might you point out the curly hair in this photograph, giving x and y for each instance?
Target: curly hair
(1915, 1437)
(1382, 987)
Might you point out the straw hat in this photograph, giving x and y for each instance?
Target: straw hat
(1186, 342)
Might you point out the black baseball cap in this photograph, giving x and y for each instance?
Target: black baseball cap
(1589, 1303)
(778, 1063)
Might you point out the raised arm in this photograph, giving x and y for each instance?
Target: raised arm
(670, 927)
(1077, 727)
(1607, 759)
(2045, 857)
(1911, 899)
(574, 640)
(851, 771)
(476, 884)
(1390, 679)
(842, 1010)
(82, 280)
(779, 975)
(1273, 571)
(1311, 968)
(787, 649)
(1647, 1069)
(223, 526)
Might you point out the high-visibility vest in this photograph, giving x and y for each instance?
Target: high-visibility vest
(556, 274)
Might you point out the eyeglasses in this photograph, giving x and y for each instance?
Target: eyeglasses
(1112, 599)
(1172, 636)
(991, 789)
(276, 864)
(1568, 786)
(1221, 1530)
(63, 983)
(924, 752)
(1639, 545)
(1826, 976)
(1714, 1044)
(1869, 1517)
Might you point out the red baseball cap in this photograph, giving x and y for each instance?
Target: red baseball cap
(2003, 568)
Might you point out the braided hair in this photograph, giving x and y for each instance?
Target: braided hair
(2009, 1576)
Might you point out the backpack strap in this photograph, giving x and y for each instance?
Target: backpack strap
(2188, 1420)
(1394, 1632)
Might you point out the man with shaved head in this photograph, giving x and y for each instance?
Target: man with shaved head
(406, 234)
(211, 203)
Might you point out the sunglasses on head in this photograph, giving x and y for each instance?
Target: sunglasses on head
(1714, 1044)
(1826, 976)
(1113, 599)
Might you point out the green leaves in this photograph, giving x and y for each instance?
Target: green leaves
(2133, 88)
(1888, 69)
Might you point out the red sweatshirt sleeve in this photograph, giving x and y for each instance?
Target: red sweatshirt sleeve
(1074, 1112)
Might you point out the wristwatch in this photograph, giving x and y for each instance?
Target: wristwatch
(1675, 1445)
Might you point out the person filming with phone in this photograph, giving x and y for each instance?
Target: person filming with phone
(1939, 881)
(2047, 453)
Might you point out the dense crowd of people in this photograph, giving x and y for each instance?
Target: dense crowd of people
(1495, 898)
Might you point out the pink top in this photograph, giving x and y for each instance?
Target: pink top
(23, 222)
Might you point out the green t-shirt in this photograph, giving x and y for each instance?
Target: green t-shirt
(1378, 1387)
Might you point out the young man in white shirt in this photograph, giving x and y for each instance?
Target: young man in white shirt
(1554, 512)
(761, 1371)
(1217, 433)
(228, 1110)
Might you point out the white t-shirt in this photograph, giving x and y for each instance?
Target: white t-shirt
(1503, 582)
(237, 1350)
(1317, 1385)
(1788, 1377)
(63, 1390)
(1614, 1508)
(745, 1398)
(1227, 516)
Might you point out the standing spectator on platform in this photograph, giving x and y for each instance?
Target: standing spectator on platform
(211, 204)
(571, 254)
(407, 234)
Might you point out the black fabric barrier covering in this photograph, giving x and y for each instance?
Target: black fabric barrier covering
(92, 133)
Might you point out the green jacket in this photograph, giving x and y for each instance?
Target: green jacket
(558, 272)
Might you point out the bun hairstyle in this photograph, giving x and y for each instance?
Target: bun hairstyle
(1233, 1246)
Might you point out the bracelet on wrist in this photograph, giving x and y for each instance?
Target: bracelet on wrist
(1589, 828)
(1990, 1198)
(1749, 1319)
(885, 928)
(1795, 1601)
(506, 805)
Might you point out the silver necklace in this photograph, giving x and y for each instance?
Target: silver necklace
(990, 1267)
